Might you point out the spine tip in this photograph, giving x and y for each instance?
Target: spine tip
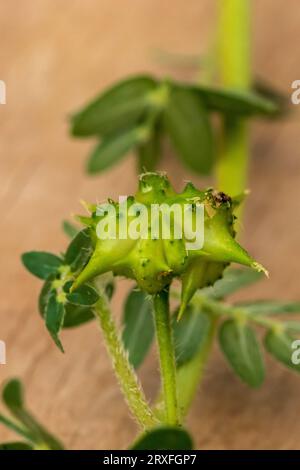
(260, 268)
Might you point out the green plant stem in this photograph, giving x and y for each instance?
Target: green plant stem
(166, 355)
(234, 70)
(232, 164)
(126, 376)
(219, 309)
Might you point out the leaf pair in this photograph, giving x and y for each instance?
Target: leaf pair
(241, 348)
(23, 423)
(43, 264)
(117, 116)
(74, 310)
(136, 113)
(237, 338)
(58, 306)
(278, 341)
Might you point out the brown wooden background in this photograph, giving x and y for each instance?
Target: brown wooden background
(54, 55)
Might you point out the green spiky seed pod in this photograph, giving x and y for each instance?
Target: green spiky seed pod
(154, 260)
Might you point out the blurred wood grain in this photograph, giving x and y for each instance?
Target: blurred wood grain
(55, 55)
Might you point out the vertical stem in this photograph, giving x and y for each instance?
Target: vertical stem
(234, 43)
(126, 376)
(234, 68)
(166, 355)
(232, 164)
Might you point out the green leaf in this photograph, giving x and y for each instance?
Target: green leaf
(138, 324)
(45, 293)
(189, 334)
(13, 397)
(240, 347)
(109, 289)
(15, 446)
(111, 149)
(164, 438)
(120, 106)
(85, 296)
(41, 263)
(279, 344)
(79, 250)
(232, 281)
(77, 315)
(54, 318)
(188, 125)
(266, 90)
(9, 424)
(70, 229)
(269, 307)
(244, 103)
(148, 152)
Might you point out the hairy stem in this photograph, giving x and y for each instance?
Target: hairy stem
(166, 355)
(126, 376)
(234, 68)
